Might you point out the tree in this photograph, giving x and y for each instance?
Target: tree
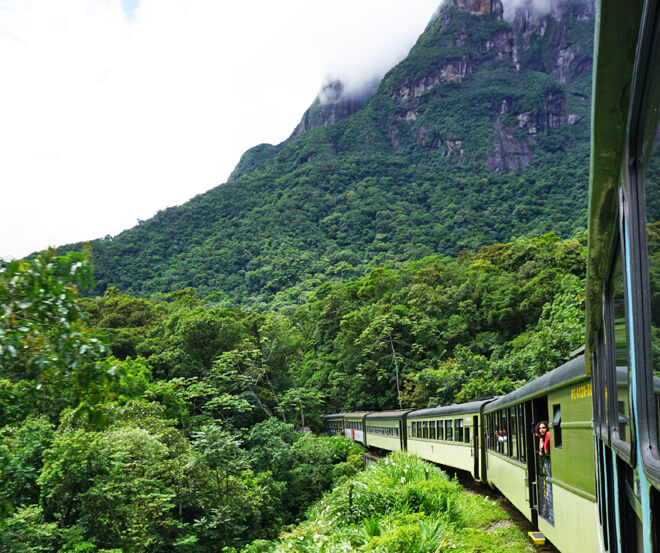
(42, 334)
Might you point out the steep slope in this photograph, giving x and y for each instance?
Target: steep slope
(481, 134)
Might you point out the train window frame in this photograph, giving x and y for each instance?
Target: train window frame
(641, 119)
(440, 428)
(600, 402)
(624, 447)
(556, 425)
(513, 433)
(458, 430)
(522, 434)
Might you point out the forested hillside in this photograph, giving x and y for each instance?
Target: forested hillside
(480, 135)
(187, 437)
(419, 244)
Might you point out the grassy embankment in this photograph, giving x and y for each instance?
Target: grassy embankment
(401, 505)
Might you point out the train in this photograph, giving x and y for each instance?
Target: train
(493, 440)
(600, 490)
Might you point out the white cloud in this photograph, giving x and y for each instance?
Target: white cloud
(107, 117)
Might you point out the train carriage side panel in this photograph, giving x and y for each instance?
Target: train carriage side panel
(446, 435)
(574, 526)
(559, 498)
(385, 430)
(354, 426)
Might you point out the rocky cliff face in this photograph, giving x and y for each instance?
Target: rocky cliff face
(333, 104)
(476, 44)
(472, 38)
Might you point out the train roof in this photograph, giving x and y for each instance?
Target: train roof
(356, 414)
(333, 416)
(566, 373)
(612, 80)
(454, 409)
(393, 414)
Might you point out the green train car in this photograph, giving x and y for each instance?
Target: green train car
(494, 440)
(334, 423)
(448, 435)
(386, 430)
(354, 424)
(555, 492)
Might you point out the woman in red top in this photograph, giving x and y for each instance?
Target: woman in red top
(546, 509)
(544, 438)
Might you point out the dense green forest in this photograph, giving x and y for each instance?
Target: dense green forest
(480, 135)
(161, 390)
(173, 423)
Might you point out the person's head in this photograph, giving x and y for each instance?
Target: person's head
(542, 428)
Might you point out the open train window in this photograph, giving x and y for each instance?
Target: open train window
(522, 434)
(513, 433)
(556, 424)
(448, 431)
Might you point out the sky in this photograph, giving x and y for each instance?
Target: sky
(111, 110)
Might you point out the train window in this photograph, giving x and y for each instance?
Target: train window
(467, 435)
(425, 430)
(441, 427)
(431, 430)
(619, 371)
(556, 424)
(513, 438)
(502, 432)
(491, 431)
(458, 427)
(652, 208)
(601, 382)
(448, 431)
(522, 434)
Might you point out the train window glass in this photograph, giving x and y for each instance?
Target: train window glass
(431, 430)
(502, 432)
(491, 431)
(601, 382)
(652, 201)
(458, 426)
(467, 435)
(425, 430)
(441, 434)
(618, 331)
(522, 435)
(448, 431)
(556, 424)
(513, 438)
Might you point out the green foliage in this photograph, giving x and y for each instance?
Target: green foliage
(402, 504)
(42, 335)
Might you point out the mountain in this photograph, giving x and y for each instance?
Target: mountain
(479, 135)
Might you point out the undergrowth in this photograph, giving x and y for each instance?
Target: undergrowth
(400, 505)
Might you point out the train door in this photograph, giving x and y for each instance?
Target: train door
(542, 464)
(530, 454)
(475, 444)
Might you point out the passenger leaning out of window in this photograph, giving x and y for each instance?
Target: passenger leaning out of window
(544, 439)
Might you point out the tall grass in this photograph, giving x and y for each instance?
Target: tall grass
(399, 505)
